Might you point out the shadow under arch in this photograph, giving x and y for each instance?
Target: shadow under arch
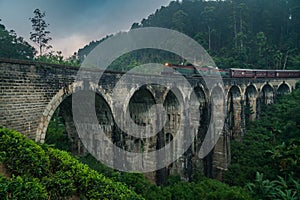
(283, 88)
(203, 118)
(62, 101)
(134, 89)
(234, 112)
(65, 112)
(139, 108)
(52, 106)
(205, 164)
(267, 94)
(251, 96)
(140, 104)
(251, 91)
(173, 103)
(234, 92)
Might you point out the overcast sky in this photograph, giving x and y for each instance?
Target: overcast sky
(74, 23)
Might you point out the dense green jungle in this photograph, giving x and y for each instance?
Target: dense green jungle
(254, 34)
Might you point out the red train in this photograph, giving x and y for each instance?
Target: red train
(190, 70)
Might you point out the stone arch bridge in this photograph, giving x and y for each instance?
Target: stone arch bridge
(31, 93)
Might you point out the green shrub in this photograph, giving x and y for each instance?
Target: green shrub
(60, 185)
(219, 191)
(21, 155)
(3, 188)
(207, 189)
(94, 164)
(89, 183)
(58, 172)
(19, 187)
(135, 181)
(184, 190)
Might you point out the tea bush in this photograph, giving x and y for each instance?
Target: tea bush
(43, 172)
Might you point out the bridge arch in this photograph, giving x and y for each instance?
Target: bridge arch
(284, 88)
(128, 93)
(267, 94)
(173, 104)
(266, 84)
(251, 91)
(177, 91)
(58, 99)
(139, 108)
(234, 92)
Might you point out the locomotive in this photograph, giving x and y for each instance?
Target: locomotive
(191, 70)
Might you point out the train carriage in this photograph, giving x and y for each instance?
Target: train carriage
(287, 73)
(190, 70)
(241, 73)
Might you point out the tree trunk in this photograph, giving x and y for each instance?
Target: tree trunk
(285, 59)
(209, 36)
(235, 30)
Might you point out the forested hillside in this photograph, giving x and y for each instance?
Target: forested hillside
(237, 33)
(267, 159)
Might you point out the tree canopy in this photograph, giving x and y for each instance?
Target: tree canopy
(12, 46)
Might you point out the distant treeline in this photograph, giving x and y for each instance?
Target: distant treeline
(237, 33)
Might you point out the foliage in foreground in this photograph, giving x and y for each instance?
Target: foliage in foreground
(22, 187)
(61, 176)
(41, 172)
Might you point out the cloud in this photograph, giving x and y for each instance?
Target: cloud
(74, 23)
(68, 45)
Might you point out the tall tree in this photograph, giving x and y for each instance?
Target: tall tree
(40, 35)
(208, 18)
